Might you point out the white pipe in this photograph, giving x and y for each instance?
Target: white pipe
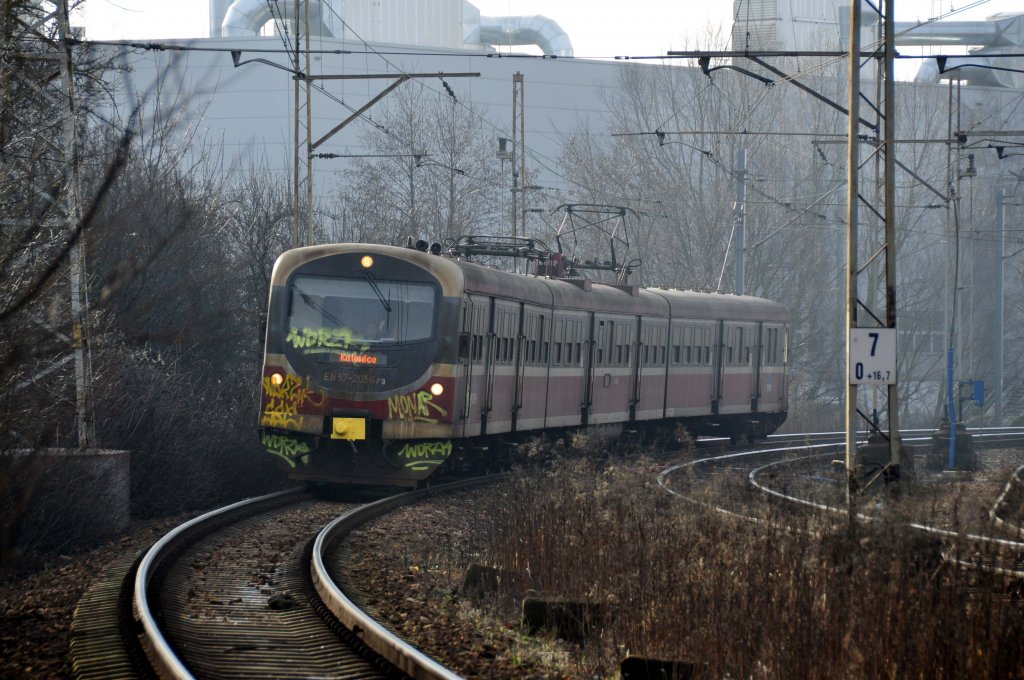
(526, 30)
(247, 17)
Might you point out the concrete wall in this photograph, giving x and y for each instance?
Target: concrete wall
(65, 499)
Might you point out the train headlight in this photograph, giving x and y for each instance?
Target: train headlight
(367, 261)
(276, 378)
(437, 389)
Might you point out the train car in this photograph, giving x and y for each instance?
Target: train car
(384, 363)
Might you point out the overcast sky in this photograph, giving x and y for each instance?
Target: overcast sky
(597, 28)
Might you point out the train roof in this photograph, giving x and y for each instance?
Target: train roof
(458, 276)
(586, 295)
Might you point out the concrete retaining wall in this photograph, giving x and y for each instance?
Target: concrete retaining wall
(65, 499)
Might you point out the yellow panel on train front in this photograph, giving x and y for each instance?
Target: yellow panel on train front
(348, 428)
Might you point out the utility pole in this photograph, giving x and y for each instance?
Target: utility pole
(741, 217)
(518, 154)
(78, 280)
(517, 79)
(852, 207)
(1000, 254)
(871, 337)
(302, 227)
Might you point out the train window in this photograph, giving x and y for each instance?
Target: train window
(361, 310)
(558, 353)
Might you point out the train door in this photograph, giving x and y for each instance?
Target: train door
(565, 366)
(717, 378)
(473, 344)
(519, 374)
(464, 399)
(758, 360)
(532, 383)
(649, 370)
(588, 390)
(738, 367)
(501, 390)
(772, 391)
(613, 375)
(643, 340)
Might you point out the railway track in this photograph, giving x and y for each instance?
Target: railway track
(235, 601)
(804, 477)
(249, 591)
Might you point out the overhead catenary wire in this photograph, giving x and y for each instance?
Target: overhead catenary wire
(540, 159)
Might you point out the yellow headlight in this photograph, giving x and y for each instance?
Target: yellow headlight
(367, 261)
(437, 389)
(276, 378)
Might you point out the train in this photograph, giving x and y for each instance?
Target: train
(383, 364)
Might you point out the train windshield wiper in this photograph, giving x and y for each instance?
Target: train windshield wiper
(376, 289)
(308, 299)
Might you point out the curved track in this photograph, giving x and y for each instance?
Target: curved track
(229, 595)
(246, 592)
(799, 476)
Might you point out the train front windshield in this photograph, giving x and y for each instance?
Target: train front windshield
(335, 313)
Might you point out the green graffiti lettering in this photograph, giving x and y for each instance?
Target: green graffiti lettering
(316, 338)
(419, 406)
(288, 449)
(422, 455)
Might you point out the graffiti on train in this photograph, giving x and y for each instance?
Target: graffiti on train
(418, 406)
(284, 400)
(423, 455)
(288, 449)
(316, 340)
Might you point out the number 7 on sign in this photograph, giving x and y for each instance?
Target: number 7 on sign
(872, 353)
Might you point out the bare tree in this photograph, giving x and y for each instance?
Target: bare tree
(672, 160)
(438, 181)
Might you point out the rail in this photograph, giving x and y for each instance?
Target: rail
(165, 661)
(401, 654)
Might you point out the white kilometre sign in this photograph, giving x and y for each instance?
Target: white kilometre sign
(872, 356)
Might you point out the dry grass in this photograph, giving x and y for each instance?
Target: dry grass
(742, 600)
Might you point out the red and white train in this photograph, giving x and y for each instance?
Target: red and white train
(383, 363)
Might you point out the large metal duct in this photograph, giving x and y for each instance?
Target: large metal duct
(989, 33)
(527, 30)
(999, 34)
(247, 17)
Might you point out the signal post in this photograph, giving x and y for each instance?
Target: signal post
(871, 334)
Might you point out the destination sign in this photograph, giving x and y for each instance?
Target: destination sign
(361, 359)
